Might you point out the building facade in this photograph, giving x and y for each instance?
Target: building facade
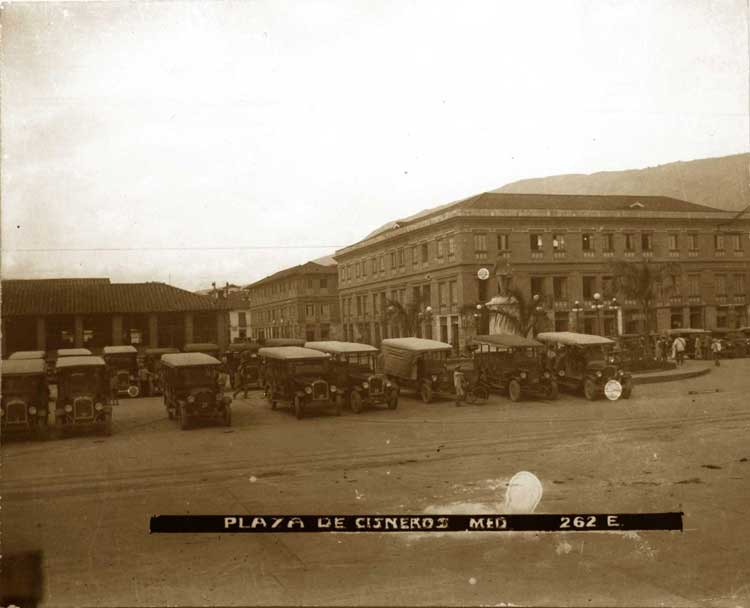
(93, 313)
(236, 300)
(443, 265)
(298, 302)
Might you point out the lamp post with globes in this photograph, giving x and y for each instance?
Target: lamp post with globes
(577, 310)
(597, 307)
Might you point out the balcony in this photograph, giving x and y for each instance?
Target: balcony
(608, 254)
(589, 254)
(739, 254)
(629, 254)
(674, 254)
(648, 254)
(694, 300)
(721, 300)
(560, 305)
(693, 253)
(675, 300)
(559, 255)
(720, 253)
(537, 255)
(739, 299)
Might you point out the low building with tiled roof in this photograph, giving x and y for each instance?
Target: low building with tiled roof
(46, 314)
(557, 247)
(297, 302)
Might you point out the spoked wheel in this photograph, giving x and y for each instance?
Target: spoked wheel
(514, 390)
(355, 402)
(298, 407)
(589, 389)
(425, 392)
(133, 391)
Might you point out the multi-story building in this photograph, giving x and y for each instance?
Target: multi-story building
(237, 302)
(298, 302)
(558, 247)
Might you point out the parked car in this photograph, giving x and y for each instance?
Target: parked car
(420, 365)
(122, 361)
(73, 352)
(283, 342)
(82, 391)
(192, 391)
(25, 396)
(353, 371)
(243, 353)
(584, 362)
(298, 377)
(27, 354)
(514, 365)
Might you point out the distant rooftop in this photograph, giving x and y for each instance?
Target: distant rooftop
(314, 267)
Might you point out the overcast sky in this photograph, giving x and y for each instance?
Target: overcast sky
(139, 139)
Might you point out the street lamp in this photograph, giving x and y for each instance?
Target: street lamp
(598, 305)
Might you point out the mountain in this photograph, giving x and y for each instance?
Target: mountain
(722, 182)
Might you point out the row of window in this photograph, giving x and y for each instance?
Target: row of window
(631, 242)
(288, 286)
(312, 311)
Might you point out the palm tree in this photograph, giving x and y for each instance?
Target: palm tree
(643, 282)
(520, 314)
(408, 316)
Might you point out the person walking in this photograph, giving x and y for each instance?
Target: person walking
(678, 346)
(458, 384)
(716, 351)
(698, 349)
(242, 381)
(144, 379)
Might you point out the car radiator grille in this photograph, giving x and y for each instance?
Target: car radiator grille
(83, 408)
(376, 385)
(320, 390)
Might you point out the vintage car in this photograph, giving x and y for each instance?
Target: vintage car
(514, 365)
(192, 391)
(283, 342)
(152, 362)
(25, 396)
(585, 362)
(734, 343)
(82, 390)
(353, 371)
(27, 354)
(298, 377)
(122, 361)
(243, 353)
(420, 365)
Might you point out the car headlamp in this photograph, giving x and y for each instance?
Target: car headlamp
(619, 372)
(308, 390)
(598, 374)
(388, 385)
(333, 389)
(68, 408)
(32, 410)
(191, 399)
(98, 407)
(434, 378)
(365, 385)
(523, 375)
(561, 372)
(546, 374)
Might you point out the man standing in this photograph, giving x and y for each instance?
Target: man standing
(458, 383)
(241, 379)
(679, 350)
(716, 351)
(698, 348)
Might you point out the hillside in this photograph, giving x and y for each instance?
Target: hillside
(722, 182)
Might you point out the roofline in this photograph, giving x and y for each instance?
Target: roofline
(292, 271)
(455, 212)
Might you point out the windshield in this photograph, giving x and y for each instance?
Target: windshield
(308, 369)
(196, 376)
(362, 362)
(121, 361)
(596, 353)
(20, 384)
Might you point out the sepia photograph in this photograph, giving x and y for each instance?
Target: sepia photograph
(375, 303)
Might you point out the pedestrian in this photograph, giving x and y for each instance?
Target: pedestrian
(698, 348)
(242, 381)
(716, 351)
(657, 349)
(458, 383)
(678, 347)
(113, 389)
(144, 377)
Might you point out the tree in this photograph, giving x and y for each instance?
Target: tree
(520, 314)
(409, 316)
(643, 281)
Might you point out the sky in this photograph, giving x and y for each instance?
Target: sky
(191, 142)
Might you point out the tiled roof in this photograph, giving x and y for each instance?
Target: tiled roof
(97, 296)
(564, 202)
(306, 268)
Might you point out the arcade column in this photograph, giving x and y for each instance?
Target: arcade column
(116, 330)
(188, 327)
(153, 331)
(222, 329)
(41, 333)
(78, 332)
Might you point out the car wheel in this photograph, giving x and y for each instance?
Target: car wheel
(298, 407)
(514, 390)
(355, 402)
(133, 391)
(482, 394)
(589, 389)
(425, 392)
(393, 400)
(553, 392)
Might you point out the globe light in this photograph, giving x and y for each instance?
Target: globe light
(428, 310)
(597, 296)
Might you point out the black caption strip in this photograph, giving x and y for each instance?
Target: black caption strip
(574, 522)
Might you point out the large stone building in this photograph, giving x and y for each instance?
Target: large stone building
(60, 313)
(557, 247)
(298, 302)
(236, 300)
